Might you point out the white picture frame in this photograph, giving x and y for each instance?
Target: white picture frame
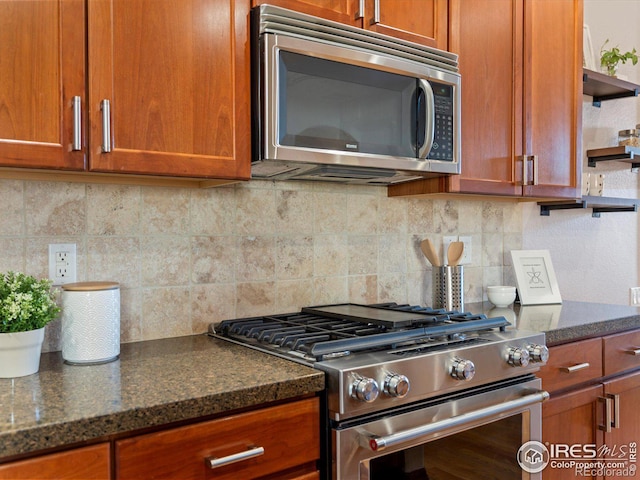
(588, 57)
(535, 277)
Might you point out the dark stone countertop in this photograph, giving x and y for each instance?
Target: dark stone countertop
(152, 383)
(568, 321)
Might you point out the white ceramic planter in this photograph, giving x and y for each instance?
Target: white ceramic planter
(20, 353)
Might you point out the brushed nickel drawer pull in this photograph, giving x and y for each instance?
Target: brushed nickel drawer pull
(105, 106)
(252, 452)
(77, 123)
(606, 426)
(635, 351)
(360, 12)
(615, 423)
(575, 368)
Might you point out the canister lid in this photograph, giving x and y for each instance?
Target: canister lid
(90, 286)
(629, 133)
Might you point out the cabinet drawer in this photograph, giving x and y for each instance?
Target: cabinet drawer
(621, 352)
(87, 463)
(572, 364)
(289, 435)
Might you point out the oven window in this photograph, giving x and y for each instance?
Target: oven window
(330, 105)
(488, 451)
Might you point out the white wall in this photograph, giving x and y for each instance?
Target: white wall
(596, 259)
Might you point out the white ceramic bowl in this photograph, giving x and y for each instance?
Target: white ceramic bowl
(501, 295)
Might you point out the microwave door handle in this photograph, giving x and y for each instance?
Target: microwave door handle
(429, 119)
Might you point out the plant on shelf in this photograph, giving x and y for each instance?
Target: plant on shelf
(610, 58)
(26, 306)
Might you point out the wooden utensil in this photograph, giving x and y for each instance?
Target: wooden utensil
(430, 252)
(454, 253)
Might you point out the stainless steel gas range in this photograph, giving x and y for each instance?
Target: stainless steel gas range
(407, 383)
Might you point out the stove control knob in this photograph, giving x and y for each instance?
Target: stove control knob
(365, 389)
(518, 357)
(396, 385)
(538, 353)
(463, 369)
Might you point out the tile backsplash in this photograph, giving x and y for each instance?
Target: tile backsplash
(185, 257)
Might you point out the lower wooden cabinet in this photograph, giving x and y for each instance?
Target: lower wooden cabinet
(595, 401)
(281, 441)
(86, 463)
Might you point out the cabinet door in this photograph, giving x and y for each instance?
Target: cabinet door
(87, 463)
(553, 96)
(419, 21)
(624, 392)
(344, 11)
(571, 419)
(42, 60)
(176, 76)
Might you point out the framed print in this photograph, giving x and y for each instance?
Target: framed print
(537, 284)
(588, 57)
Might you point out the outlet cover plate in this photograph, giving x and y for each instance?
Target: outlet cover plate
(62, 263)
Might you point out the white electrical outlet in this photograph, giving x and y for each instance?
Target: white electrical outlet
(634, 296)
(62, 263)
(467, 254)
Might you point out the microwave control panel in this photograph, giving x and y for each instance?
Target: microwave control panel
(442, 148)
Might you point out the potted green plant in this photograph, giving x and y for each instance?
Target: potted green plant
(26, 306)
(610, 58)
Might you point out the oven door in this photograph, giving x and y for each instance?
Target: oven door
(476, 435)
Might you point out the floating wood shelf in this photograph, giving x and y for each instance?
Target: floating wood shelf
(598, 205)
(604, 87)
(623, 153)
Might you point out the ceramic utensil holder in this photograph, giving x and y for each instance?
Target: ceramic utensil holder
(448, 287)
(90, 322)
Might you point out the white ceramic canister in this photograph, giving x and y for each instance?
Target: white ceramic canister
(90, 322)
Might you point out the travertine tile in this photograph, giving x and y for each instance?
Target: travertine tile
(363, 254)
(330, 255)
(255, 298)
(445, 217)
(329, 290)
(113, 210)
(115, 259)
(294, 257)
(363, 289)
(255, 211)
(392, 287)
(213, 211)
(362, 211)
(166, 312)
(392, 254)
(294, 212)
(12, 254)
(12, 217)
(165, 260)
(213, 259)
(492, 217)
(131, 315)
(392, 216)
(419, 216)
(292, 295)
(330, 212)
(255, 260)
(55, 208)
(211, 304)
(165, 211)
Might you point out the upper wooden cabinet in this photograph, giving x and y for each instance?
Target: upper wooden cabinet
(419, 21)
(42, 69)
(174, 75)
(521, 67)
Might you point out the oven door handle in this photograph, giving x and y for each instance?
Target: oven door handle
(376, 443)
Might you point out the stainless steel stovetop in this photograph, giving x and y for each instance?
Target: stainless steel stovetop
(378, 357)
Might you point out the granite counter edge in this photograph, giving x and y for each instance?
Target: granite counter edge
(51, 436)
(590, 330)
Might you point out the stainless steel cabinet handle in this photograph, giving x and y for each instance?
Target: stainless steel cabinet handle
(634, 351)
(252, 452)
(105, 106)
(376, 12)
(615, 423)
(360, 12)
(377, 443)
(429, 123)
(525, 162)
(535, 169)
(77, 123)
(606, 427)
(575, 368)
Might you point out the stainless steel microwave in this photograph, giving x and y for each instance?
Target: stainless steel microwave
(337, 103)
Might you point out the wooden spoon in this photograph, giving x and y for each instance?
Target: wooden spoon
(430, 252)
(454, 253)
